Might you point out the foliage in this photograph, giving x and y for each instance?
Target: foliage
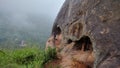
(28, 57)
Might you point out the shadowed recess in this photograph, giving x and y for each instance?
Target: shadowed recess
(84, 43)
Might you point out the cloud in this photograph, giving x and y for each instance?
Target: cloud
(48, 7)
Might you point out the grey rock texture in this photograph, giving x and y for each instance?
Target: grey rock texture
(97, 19)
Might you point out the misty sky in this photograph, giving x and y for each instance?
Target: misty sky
(33, 17)
(43, 7)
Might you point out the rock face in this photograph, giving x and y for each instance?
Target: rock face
(88, 34)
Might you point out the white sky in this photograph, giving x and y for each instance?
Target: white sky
(44, 7)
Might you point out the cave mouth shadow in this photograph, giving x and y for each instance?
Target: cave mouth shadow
(84, 44)
(56, 30)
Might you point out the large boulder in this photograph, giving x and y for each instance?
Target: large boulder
(88, 32)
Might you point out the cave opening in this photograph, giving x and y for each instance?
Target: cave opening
(56, 30)
(84, 44)
(56, 33)
(69, 41)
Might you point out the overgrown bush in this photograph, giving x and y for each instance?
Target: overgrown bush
(28, 57)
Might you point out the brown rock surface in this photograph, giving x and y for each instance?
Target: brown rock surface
(89, 29)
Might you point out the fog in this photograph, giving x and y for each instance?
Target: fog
(45, 7)
(33, 17)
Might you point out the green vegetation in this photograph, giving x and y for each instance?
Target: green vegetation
(28, 57)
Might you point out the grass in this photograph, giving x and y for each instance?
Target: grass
(28, 57)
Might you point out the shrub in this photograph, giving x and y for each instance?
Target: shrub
(28, 57)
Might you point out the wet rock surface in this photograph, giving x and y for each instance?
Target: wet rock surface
(88, 32)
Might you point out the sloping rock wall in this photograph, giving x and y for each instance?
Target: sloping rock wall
(88, 28)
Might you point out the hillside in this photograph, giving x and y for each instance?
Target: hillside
(17, 29)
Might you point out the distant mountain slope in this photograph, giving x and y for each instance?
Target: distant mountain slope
(15, 28)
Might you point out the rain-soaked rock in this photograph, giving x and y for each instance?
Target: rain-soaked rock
(86, 34)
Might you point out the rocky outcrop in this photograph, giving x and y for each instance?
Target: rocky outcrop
(86, 34)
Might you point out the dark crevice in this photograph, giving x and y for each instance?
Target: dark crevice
(83, 44)
(69, 41)
(56, 30)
